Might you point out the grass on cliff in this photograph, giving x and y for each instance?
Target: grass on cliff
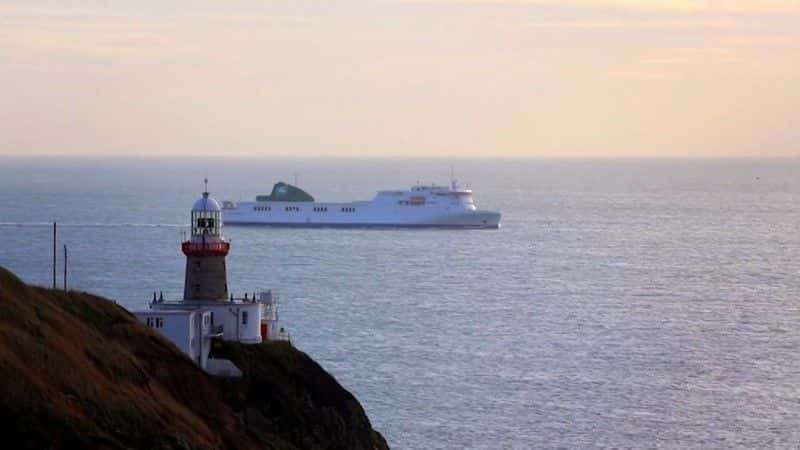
(78, 371)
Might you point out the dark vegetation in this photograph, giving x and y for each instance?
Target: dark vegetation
(78, 371)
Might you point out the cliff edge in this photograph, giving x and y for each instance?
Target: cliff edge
(78, 371)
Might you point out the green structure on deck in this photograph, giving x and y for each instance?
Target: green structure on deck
(284, 192)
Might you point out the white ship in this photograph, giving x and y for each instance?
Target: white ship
(421, 206)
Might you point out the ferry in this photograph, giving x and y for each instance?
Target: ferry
(428, 206)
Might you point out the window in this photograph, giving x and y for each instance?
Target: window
(205, 222)
(244, 317)
(291, 208)
(149, 322)
(320, 209)
(348, 209)
(159, 322)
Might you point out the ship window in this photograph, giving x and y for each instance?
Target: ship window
(159, 322)
(244, 317)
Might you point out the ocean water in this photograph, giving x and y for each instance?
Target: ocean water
(623, 303)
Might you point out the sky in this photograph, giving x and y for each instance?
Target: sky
(417, 78)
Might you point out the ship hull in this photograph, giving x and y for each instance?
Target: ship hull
(309, 215)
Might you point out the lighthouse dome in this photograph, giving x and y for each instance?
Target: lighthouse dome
(206, 204)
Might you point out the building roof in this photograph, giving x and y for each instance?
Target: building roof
(167, 312)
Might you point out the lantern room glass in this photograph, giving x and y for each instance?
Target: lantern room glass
(206, 223)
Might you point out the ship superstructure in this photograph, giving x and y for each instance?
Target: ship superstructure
(421, 206)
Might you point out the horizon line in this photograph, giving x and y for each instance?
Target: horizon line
(233, 158)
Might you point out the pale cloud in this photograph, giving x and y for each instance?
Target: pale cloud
(641, 23)
(99, 43)
(397, 77)
(691, 5)
(718, 6)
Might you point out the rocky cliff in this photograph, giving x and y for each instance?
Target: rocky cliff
(78, 371)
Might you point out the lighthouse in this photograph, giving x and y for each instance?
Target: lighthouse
(205, 250)
(207, 311)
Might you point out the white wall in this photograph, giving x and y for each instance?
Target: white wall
(229, 315)
(184, 330)
(205, 317)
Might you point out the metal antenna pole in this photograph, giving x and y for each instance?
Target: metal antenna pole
(54, 254)
(65, 268)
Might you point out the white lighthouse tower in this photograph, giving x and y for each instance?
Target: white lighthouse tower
(206, 249)
(207, 310)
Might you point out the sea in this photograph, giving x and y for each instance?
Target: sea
(628, 303)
